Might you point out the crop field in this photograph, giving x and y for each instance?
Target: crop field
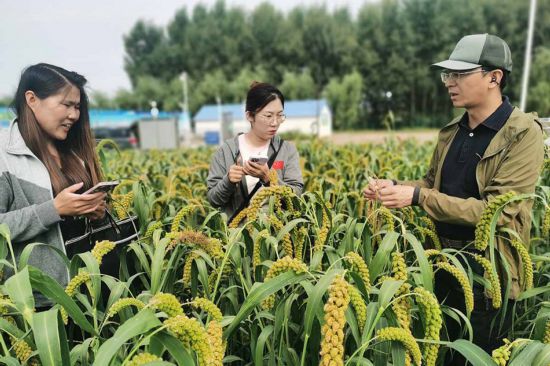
(326, 278)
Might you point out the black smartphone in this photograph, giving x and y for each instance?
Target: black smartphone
(103, 187)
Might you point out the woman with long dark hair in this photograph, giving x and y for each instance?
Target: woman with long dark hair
(236, 172)
(47, 161)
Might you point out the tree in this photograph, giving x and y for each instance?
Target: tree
(391, 45)
(101, 100)
(538, 99)
(345, 98)
(298, 86)
(239, 86)
(124, 99)
(5, 101)
(269, 33)
(206, 91)
(330, 43)
(142, 50)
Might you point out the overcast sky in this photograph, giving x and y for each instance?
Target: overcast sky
(86, 36)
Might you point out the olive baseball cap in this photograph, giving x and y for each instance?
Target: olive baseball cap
(478, 50)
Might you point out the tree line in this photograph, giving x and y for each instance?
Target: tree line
(311, 52)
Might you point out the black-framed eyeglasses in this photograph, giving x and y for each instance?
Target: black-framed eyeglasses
(455, 75)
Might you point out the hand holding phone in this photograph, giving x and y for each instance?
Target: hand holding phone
(69, 203)
(103, 187)
(258, 159)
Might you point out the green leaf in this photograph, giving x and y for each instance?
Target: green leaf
(260, 344)
(174, 347)
(373, 311)
(202, 272)
(543, 357)
(259, 292)
(141, 256)
(18, 288)
(53, 291)
(387, 291)
(425, 266)
(26, 253)
(50, 338)
(287, 228)
(157, 265)
(138, 325)
(141, 206)
(397, 353)
(527, 355)
(5, 233)
(383, 254)
(533, 292)
(7, 327)
(314, 302)
(474, 354)
(4, 240)
(81, 352)
(9, 361)
(360, 361)
(92, 266)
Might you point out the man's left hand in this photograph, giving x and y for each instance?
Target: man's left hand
(396, 196)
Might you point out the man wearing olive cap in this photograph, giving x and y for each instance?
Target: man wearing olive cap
(492, 149)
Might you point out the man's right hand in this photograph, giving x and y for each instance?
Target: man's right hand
(69, 203)
(375, 185)
(236, 173)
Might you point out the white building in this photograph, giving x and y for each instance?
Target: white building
(218, 122)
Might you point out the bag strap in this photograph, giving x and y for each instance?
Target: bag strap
(247, 199)
(114, 225)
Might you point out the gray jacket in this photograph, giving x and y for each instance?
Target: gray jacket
(228, 196)
(26, 206)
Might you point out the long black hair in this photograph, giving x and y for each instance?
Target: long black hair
(44, 81)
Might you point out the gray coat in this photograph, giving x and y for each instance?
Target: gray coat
(226, 195)
(26, 206)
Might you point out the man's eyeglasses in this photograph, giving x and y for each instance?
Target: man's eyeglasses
(454, 75)
(277, 118)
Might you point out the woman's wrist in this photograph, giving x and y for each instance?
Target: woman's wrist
(57, 207)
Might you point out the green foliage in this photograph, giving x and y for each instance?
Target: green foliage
(298, 85)
(165, 321)
(344, 97)
(5, 101)
(101, 100)
(539, 87)
(310, 50)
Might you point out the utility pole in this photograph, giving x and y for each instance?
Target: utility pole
(183, 78)
(527, 61)
(186, 125)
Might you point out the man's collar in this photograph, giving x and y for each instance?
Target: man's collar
(496, 120)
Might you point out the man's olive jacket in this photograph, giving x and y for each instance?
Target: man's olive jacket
(512, 162)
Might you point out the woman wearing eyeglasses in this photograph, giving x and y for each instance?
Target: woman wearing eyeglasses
(241, 165)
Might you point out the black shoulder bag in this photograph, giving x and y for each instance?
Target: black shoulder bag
(121, 232)
(247, 199)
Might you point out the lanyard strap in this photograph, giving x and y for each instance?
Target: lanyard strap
(247, 199)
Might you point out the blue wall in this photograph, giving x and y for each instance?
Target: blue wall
(102, 117)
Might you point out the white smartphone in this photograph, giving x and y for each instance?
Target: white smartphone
(258, 159)
(103, 187)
